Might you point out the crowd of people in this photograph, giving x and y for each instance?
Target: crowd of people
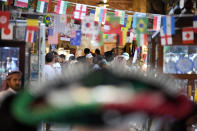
(55, 64)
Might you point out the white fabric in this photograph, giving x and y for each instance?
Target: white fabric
(48, 72)
(89, 55)
(58, 68)
(126, 56)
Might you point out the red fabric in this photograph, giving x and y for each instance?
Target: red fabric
(155, 104)
(4, 19)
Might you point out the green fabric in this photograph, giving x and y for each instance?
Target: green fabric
(141, 27)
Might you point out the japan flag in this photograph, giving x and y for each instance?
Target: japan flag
(7, 33)
(188, 36)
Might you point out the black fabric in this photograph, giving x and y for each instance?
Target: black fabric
(8, 122)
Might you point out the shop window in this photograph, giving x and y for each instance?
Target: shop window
(180, 59)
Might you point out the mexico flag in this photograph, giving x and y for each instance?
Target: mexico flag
(42, 6)
(188, 35)
(142, 39)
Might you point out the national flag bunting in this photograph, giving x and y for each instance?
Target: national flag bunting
(120, 14)
(7, 34)
(21, 3)
(157, 23)
(60, 23)
(136, 15)
(195, 24)
(142, 39)
(52, 36)
(127, 21)
(100, 15)
(4, 19)
(166, 39)
(42, 6)
(188, 35)
(89, 26)
(61, 7)
(80, 11)
(32, 24)
(141, 25)
(30, 36)
(76, 41)
(168, 25)
(92, 12)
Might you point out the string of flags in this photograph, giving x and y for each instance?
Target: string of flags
(101, 22)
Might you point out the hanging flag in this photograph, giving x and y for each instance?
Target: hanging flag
(30, 36)
(135, 56)
(100, 15)
(42, 6)
(60, 22)
(4, 19)
(113, 26)
(142, 39)
(52, 36)
(89, 26)
(141, 27)
(127, 21)
(135, 18)
(32, 24)
(92, 12)
(157, 23)
(61, 7)
(47, 19)
(7, 34)
(120, 14)
(21, 3)
(168, 25)
(195, 24)
(124, 35)
(165, 38)
(188, 35)
(80, 11)
(76, 41)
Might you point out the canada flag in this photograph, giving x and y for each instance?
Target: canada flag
(188, 35)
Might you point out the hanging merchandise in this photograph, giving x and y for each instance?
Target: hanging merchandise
(188, 35)
(47, 19)
(168, 25)
(61, 7)
(4, 19)
(30, 36)
(76, 40)
(157, 23)
(124, 35)
(165, 39)
(32, 24)
(120, 14)
(21, 3)
(31, 29)
(127, 21)
(135, 18)
(52, 36)
(7, 34)
(80, 11)
(142, 39)
(42, 6)
(60, 22)
(92, 12)
(89, 26)
(195, 24)
(142, 23)
(100, 15)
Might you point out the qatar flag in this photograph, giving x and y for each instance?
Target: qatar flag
(188, 35)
